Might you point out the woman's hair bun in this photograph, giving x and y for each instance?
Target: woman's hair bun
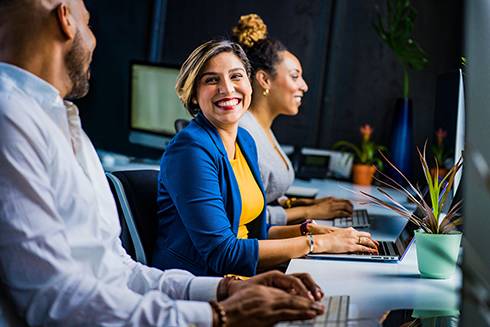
(250, 30)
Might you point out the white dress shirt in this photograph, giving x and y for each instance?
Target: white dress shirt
(60, 255)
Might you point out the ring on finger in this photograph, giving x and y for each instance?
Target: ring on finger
(359, 241)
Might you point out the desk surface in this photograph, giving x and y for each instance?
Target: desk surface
(376, 287)
(385, 226)
(330, 187)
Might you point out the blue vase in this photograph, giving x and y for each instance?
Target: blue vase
(402, 139)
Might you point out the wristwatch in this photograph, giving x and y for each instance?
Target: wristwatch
(303, 228)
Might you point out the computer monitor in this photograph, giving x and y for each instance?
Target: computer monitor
(154, 105)
(460, 132)
(450, 114)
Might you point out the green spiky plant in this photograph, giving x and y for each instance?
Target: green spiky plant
(396, 31)
(439, 191)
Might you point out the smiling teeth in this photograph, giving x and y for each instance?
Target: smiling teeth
(229, 103)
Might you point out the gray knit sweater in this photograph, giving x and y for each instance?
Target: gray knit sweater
(276, 177)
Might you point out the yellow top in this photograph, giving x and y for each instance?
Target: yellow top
(252, 198)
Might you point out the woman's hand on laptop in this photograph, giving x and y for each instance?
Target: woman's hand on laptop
(329, 208)
(345, 240)
(315, 229)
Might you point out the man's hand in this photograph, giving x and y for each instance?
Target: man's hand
(298, 284)
(258, 305)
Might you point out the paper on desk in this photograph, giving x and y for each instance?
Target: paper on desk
(302, 192)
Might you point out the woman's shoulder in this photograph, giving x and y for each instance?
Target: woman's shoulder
(245, 135)
(192, 139)
(249, 123)
(192, 131)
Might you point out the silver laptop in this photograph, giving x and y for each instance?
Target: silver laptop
(359, 219)
(336, 314)
(388, 251)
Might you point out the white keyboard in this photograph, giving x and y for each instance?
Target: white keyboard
(360, 218)
(336, 314)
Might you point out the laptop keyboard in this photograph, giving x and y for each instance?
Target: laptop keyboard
(360, 218)
(336, 314)
(386, 248)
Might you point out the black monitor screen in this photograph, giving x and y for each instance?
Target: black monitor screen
(154, 103)
(318, 161)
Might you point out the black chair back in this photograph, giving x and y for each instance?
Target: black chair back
(140, 204)
(180, 124)
(9, 316)
(125, 236)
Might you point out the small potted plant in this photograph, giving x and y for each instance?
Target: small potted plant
(366, 159)
(440, 154)
(437, 238)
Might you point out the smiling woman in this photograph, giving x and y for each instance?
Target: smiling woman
(211, 203)
(278, 87)
(224, 91)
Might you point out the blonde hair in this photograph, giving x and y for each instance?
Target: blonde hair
(186, 85)
(250, 30)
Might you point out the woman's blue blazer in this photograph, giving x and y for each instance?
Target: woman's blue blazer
(199, 205)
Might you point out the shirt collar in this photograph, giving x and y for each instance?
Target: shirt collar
(41, 91)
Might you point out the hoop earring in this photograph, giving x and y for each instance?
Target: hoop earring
(265, 92)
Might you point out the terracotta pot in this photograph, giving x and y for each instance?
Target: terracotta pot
(363, 174)
(442, 172)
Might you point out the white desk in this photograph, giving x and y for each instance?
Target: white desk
(376, 287)
(329, 187)
(385, 227)
(114, 161)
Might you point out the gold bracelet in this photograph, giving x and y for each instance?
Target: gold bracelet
(220, 311)
(224, 287)
(289, 203)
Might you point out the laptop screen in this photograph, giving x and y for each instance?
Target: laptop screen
(405, 238)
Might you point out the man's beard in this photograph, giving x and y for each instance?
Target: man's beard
(75, 61)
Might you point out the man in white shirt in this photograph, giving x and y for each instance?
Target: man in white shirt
(60, 256)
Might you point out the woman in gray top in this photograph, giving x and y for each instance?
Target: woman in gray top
(278, 88)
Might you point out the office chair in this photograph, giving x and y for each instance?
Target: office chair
(135, 192)
(180, 124)
(8, 314)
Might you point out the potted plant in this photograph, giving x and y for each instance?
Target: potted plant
(440, 155)
(437, 238)
(396, 31)
(366, 159)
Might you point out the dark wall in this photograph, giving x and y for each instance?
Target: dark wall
(302, 25)
(364, 77)
(122, 28)
(353, 77)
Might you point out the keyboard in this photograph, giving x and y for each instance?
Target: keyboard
(360, 218)
(387, 248)
(336, 314)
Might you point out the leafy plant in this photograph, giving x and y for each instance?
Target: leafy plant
(438, 149)
(396, 32)
(367, 152)
(429, 215)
